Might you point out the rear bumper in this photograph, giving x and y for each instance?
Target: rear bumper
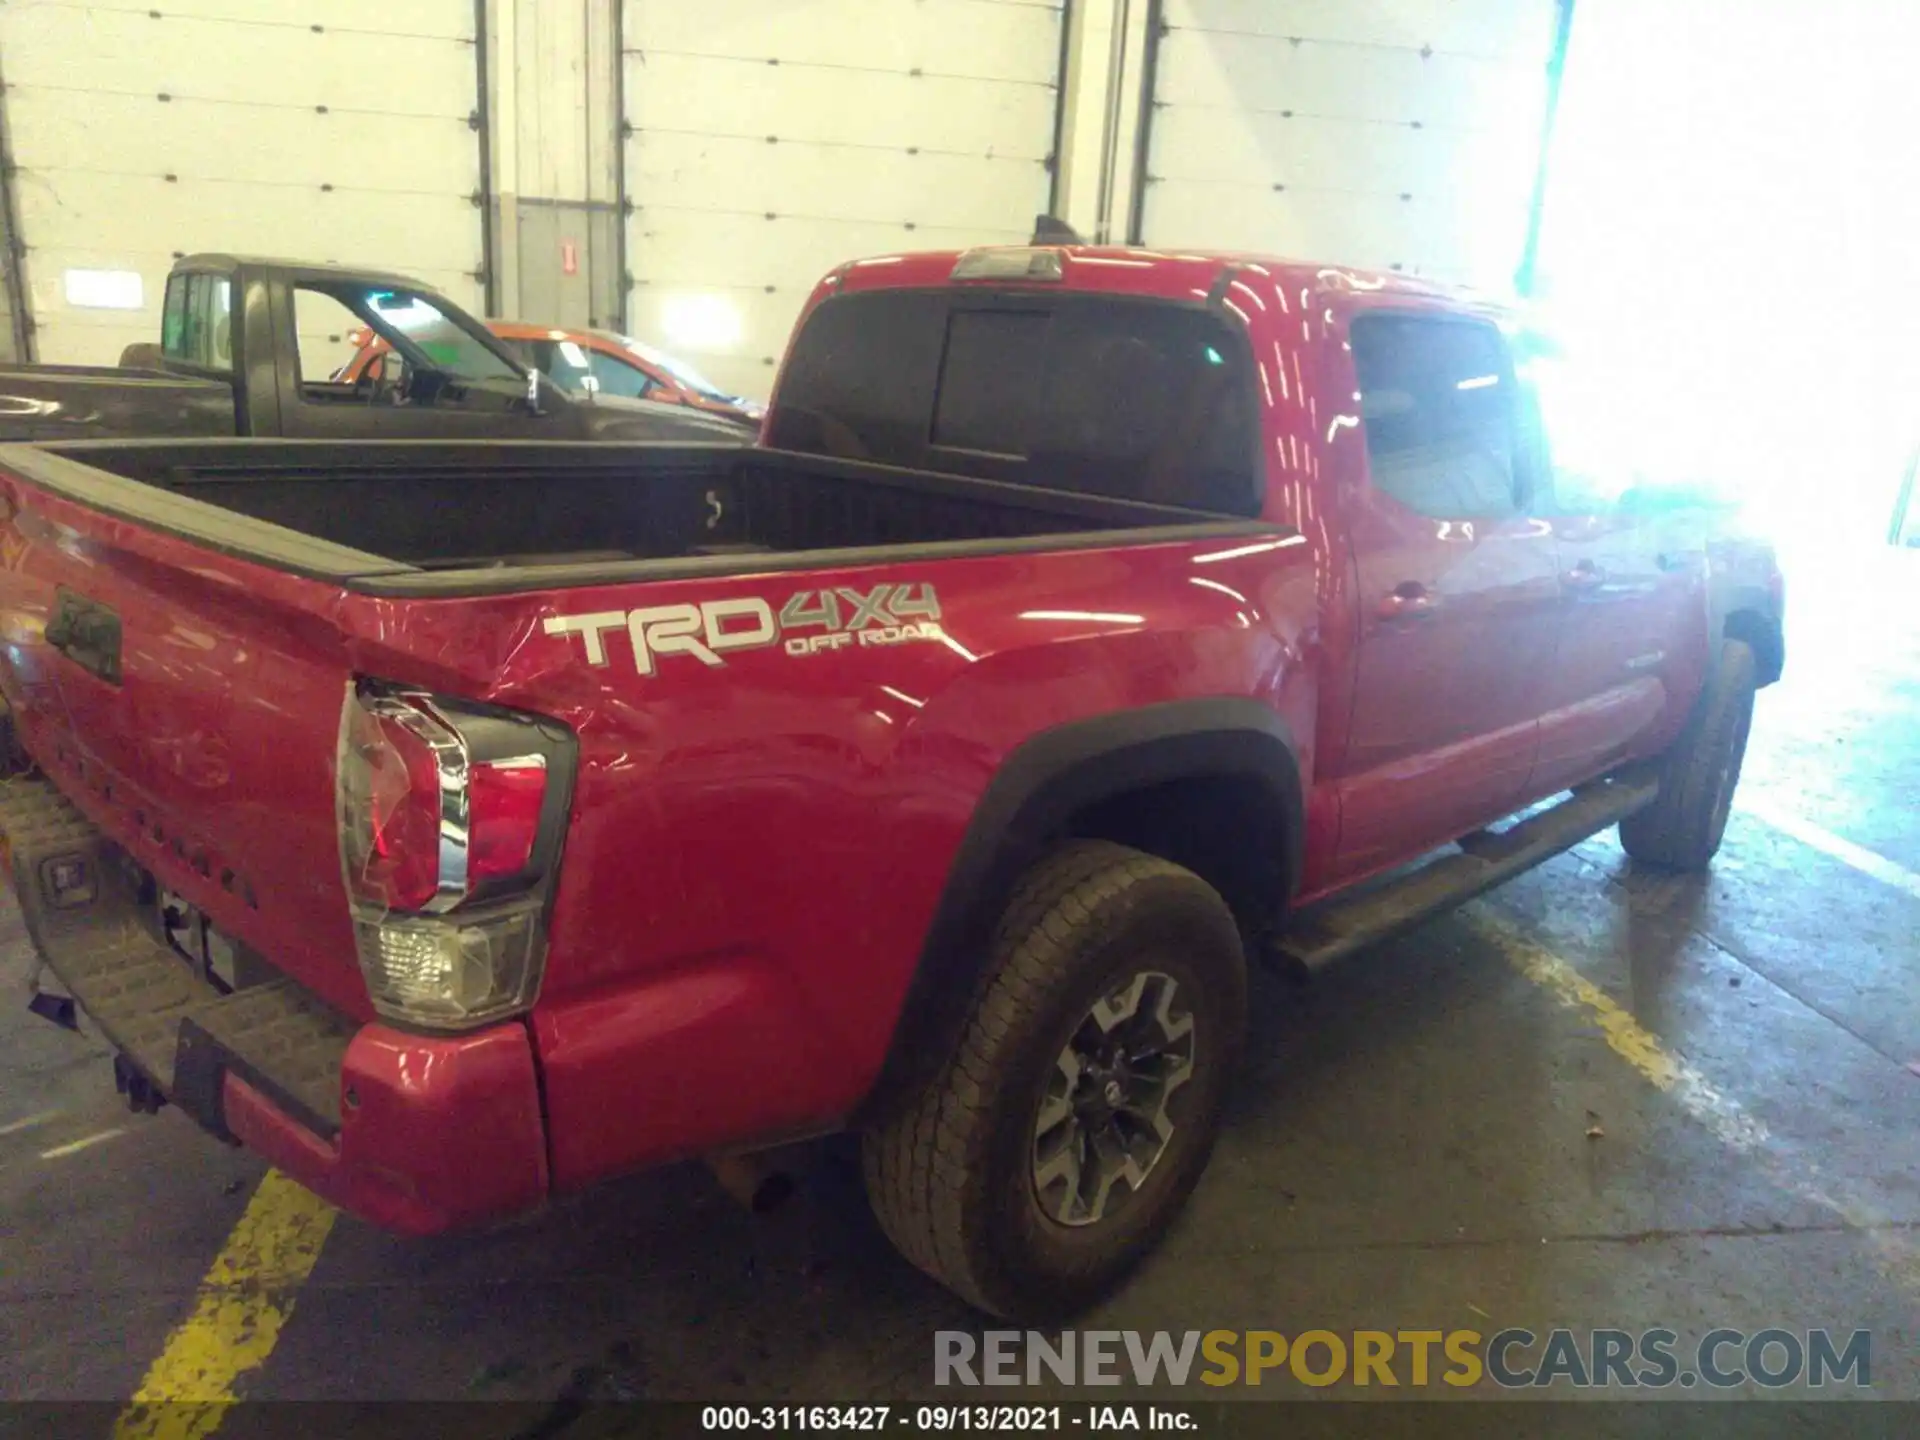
(433, 1135)
(415, 1134)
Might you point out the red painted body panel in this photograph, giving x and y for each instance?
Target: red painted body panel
(757, 849)
(221, 738)
(434, 1134)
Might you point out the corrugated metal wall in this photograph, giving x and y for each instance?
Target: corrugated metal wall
(340, 131)
(1388, 133)
(769, 141)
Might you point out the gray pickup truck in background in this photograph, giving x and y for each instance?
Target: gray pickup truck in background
(235, 331)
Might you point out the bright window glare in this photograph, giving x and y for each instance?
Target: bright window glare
(105, 289)
(689, 377)
(1732, 266)
(407, 312)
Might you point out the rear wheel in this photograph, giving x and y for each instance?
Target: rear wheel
(1682, 828)
(1056, 1144)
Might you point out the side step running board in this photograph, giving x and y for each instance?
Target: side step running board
(1484, 859)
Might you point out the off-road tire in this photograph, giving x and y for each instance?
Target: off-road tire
(950, 1174)
(1682, 828)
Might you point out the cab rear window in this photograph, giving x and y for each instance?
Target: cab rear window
(1136, 399)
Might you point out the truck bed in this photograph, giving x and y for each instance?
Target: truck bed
(81, 402)
(472, 517)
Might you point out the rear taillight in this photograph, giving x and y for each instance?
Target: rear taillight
(451, 817)
(505, 798)
(390, 777)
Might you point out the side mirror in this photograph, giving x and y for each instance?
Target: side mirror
(533, 391)
(591, 385)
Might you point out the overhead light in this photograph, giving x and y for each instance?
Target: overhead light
(105, 289)
(701, 322)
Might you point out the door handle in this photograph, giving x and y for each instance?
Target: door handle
(1584, 576)
(1407, 601)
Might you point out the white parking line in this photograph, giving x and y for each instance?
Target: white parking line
(85, 1142)
(1866, 861)
(27, 1122)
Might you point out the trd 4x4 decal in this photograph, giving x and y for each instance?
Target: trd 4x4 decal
(811, 621)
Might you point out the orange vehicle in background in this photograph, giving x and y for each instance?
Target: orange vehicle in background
(589, 362)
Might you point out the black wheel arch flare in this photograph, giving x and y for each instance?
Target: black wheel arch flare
(1039, 788)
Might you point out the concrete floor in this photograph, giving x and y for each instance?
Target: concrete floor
(1409, 1147)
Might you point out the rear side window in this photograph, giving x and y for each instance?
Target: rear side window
(173, 318)
(1436, 397)
(616, 377)
(993, 367)
(562, 362)
(860, 375)
(1136, 399)
(196, 326)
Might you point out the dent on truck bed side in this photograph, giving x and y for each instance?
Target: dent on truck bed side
(1038, 788)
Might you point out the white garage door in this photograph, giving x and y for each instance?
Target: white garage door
(336, 132)
(1384, 133)
(771, 140)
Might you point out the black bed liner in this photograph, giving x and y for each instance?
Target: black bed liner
(463, 518)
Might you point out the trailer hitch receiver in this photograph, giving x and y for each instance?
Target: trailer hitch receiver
(143, 1096)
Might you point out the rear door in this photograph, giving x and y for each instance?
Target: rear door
(1633, 581)
(1456, 583)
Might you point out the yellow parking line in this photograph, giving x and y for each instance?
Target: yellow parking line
(1626, 1036)
(1724, 1116)
(248, 1293)
(245, 1298)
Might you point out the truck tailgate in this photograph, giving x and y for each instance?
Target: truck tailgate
(189, 704)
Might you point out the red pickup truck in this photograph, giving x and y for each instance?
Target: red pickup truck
(457, 825)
